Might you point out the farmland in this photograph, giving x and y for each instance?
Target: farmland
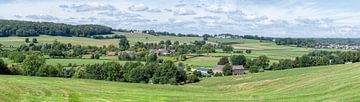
(324, 83)
(132, 37)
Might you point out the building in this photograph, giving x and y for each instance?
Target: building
(162, 52)
(111, 53)
(202, 70)
(237, 70)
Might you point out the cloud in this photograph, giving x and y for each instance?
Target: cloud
(154, 10)
(168, 10)
(138, 7)
(17, 16)
(119, 14)
(42, 17)
(219, 9)
(88, 7)
(184, 12)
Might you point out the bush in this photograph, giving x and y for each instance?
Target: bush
(3, 67)
(31, 64)
(47, 71)
(223, 61)
(17, 57)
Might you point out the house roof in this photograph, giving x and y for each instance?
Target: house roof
(220, 67)
(202, 69)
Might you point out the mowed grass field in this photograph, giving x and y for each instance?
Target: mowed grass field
(338, 83)
(132, 37)
(272, 51)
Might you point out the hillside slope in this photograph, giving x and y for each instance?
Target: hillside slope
(326, 83)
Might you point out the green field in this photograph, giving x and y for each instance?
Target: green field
(325, 83)
(272, 51)
(132, 37)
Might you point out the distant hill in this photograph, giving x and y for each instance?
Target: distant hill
(28, 28)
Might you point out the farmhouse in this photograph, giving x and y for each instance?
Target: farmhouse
(202, 70)
(162, 52)
(237, 70)
(111, 53)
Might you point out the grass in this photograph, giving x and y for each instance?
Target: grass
(272, 51)
(132, 37)
(324, 83)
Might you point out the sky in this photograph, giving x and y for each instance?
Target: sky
(273, 18)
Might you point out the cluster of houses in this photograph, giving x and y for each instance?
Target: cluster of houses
(157, 51)
(236, 69)
(336, 46)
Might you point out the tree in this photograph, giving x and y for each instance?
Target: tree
(283, 64)
(208, 48)
(124, 44)
(162, 42)
(27, 40)
(3, 67)
(227, 70)
(227, 49)
(254, 69)
(223, 61)
(168, 70)
(176, 43)
(152, 57)
(263, 62)
(31, 64)
(168, 43)
(248, 51)
(193, 77)
(238, 60)
(34, 40)
(17, 57)
(210, 72)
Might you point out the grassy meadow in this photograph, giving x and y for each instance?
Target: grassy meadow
(324, 83)
(132, 37)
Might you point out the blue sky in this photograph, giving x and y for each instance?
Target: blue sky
(276, 18)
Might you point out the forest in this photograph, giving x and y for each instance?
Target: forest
(29, 28)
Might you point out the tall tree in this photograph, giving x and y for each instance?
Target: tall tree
(227, 70)
(31, 64)
(238, 60)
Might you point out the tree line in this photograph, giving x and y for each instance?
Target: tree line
(28, 28)
(134, 72)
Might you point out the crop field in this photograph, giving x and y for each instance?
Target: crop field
(132, 37)
(324, 83)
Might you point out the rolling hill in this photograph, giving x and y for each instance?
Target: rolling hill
(324, 83)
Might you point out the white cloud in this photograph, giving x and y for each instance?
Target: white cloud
(138, 7)
(88, 7)
(296, 18)
(183, 12)
(42, 17)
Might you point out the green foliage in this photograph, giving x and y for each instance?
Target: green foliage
(223, 61)
(263, 62)
(17, 57)
(210, 72)
(26, 28)
(3, 67)
(48, 71)
(31, 64)
(248, 51)
(124, 44)
(227, 49)
(238, 60)
(167, 71)
(254, 69)
(227, 70)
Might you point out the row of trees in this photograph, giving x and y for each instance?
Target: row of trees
(318, 58)
(164, 73)
(28, 28)
(310, 43)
